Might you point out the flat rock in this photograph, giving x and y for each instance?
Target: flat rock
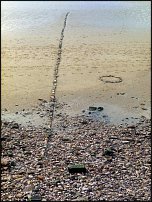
(92, 108)
(77, 168)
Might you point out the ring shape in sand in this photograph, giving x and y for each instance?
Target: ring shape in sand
(111, 79)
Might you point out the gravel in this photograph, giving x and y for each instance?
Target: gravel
(117, 158)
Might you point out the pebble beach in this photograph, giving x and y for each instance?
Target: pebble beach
(76, 120)
(121, 174)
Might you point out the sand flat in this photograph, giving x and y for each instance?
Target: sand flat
(98, 41)
(93, 53)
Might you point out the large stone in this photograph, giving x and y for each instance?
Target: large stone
(92, 108)
(77, 168)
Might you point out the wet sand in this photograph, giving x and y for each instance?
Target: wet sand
(87, 54)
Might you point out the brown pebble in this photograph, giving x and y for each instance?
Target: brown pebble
(40, 177)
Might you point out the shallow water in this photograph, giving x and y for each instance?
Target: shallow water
(34, 17)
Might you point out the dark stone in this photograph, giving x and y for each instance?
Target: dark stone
(36, 197)
(133, 126)
(15, 125)
(144, 108)
(12, 163)
(63, 126)
(22, 146)
(40, 163)
(108, 152)
(89, 112)
(36, 189)
(57, 181)
(100, 108)
(6, 123)
(84, 122)
(83, 111)
(3, 138)
(27, 152)
(93, 154)
(92, 108)
(66, 139)
(10, 153)
(78, 168)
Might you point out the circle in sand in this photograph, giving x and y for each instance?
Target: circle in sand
(111, 79)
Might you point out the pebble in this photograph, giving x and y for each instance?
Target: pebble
(4, 162)
(40, 177)
(19, 195)
(129, 164)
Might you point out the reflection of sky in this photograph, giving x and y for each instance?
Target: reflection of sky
(28, 14)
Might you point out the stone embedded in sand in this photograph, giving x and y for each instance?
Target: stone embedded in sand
(100, 108)
(144, 108)
(15, 125)
(110, 79)
(77, 168)
(132, 126)
(92, 108)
